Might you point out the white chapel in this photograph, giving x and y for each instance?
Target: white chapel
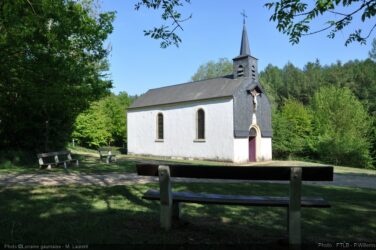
(226, 118)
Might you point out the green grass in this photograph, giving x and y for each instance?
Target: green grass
(117, 214)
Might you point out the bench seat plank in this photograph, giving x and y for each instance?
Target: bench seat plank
(223, 199)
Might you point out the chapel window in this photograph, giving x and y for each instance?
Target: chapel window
(200, 124)
(160, 126)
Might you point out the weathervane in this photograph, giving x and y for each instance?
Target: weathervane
(244, 16)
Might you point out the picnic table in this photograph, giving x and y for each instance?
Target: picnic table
(107, 153)
(56, 158)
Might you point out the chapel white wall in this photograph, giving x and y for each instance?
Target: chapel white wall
(180, 131)
(265, 146)
(241, 150)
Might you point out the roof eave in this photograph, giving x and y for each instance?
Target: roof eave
(188, 101)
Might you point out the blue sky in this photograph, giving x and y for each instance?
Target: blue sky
(137, 63)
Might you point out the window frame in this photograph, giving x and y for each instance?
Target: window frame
(200, 135)
(160, 128)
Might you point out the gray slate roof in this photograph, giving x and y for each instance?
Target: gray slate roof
(224, 86)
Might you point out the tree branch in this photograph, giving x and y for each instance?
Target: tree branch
(370, 32)
(31, 5)
(339, 21)
(175, 21)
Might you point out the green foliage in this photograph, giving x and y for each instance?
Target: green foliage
(51, 66)
(341, 127)
(271, 80)
(295, 17)
(292, 130)
(213, 69)
(92, 127)
(104, 123)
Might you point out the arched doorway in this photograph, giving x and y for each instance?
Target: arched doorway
(252, 145)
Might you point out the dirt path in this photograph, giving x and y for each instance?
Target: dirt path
(340, 179)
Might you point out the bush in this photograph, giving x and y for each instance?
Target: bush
(341, 128)
(292, 128)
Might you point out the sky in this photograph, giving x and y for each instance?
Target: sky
(137, 63)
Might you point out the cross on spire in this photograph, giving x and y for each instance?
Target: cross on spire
(244, 16)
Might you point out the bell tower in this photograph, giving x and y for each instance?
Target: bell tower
(245, 65)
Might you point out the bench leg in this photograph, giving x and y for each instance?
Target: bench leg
(65, 165)
(166, 197)
(108, 159)
(294, 213)
(49, 166)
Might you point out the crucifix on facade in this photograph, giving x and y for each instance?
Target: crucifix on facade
(254, 94)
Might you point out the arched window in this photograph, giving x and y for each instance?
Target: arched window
(240, 71)
(200, 124)
(160, 126)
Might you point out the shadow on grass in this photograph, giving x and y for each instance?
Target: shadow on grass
(117, 214)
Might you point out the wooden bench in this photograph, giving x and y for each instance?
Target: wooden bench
(169, 201)
(56, 158)
(107, 153)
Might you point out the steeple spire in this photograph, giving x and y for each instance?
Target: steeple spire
(245, 65)
(244, 47)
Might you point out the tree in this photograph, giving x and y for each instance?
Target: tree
(104, 123)
(372, 53)
(213, 69)
(341, 127)
(52, 65)
(92, 127)
(294, 17)
(292, 128)
(271, 80)
(295, 84)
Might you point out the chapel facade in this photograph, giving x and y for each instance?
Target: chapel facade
(226, 118)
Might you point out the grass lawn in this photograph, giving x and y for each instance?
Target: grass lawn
(117, 214)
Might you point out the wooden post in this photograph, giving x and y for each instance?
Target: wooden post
(294, 214)
(166, 196)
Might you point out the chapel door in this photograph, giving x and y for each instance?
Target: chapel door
(252, 145)
(252, 149)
